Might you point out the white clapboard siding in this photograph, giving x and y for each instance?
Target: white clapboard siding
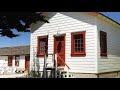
(13, 61)
(112, 61)
(3, 61)
(21, 61)
(65, 23)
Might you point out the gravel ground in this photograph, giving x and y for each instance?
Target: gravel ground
(14, 75)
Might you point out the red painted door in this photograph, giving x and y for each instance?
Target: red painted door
(59, 47)
(27, 59)
(9, 60)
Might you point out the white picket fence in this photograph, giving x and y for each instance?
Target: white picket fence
(7, 69)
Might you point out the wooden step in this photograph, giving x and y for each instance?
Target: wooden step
(69, 76)
(60, 67)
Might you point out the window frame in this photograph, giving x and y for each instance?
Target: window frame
(39, 54)
(16, 60)
(101, 36)
(73, 53)
(10, 63)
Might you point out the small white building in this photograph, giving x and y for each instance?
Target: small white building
(16, 56)
(88, 42)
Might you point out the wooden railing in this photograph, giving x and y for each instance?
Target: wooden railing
(62, 60)
(57, 55)
(54, 60)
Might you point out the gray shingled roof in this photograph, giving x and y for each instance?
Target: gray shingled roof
(17, 50)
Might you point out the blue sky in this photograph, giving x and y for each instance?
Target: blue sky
(114, 15)
(24, 38)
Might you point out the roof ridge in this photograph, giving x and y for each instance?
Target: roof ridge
(14, 46)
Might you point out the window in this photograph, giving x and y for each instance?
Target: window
(42, 46)
(17, 58)
(78, 44)
(103, 43)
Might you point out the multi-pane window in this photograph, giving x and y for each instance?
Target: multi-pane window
(103, 43)
(78, 44)
(42, 45)
(17, 58)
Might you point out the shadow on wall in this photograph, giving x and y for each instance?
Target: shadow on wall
(37, 25)
(35, 72)
(84, 17)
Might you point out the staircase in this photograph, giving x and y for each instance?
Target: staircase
(61, 73)
(57, 71)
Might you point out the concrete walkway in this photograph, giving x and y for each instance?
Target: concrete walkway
(13, 75)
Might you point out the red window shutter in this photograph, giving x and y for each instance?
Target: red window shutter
(38, 46)
(72, 44)
(103, 43)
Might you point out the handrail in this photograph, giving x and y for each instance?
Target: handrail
(60, 59)
(46, 54)
(63, 61)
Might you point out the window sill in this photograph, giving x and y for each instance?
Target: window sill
(41, 55)
(77, 54)
(103, 54)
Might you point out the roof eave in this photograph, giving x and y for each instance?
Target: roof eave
(105, 19)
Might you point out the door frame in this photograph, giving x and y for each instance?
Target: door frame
(64, 44)
(10, 57)
(26, 61)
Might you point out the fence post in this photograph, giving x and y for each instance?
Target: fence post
(44, 69)
(55, 65)
(28, 68)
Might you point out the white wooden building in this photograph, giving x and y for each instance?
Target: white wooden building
(88, 42)
(16, 56)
